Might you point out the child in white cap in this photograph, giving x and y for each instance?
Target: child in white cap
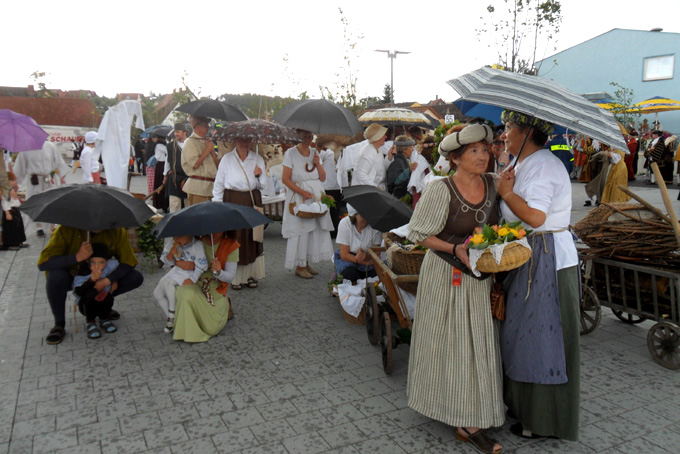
(87, 161)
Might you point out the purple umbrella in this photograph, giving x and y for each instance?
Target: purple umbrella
(20, 132)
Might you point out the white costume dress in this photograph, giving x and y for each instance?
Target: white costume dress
(309, 239)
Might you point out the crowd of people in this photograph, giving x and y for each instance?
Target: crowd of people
(466, 369)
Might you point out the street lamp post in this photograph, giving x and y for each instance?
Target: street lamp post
(392, 55)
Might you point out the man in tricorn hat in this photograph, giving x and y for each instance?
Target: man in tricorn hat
(174, 173)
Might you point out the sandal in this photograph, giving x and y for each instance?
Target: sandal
(114, 315)
(236, 286)
(56, 335)
(252, 283)
(92, 331)
(482, 442)
(312, 271)
(108, 326)
(169, 326)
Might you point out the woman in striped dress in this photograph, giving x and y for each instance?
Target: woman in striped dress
(455, 373)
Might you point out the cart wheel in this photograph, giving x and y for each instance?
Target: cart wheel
(386, 342)
(591, 312)
(625, 317)
(663, 341)
(372, 315)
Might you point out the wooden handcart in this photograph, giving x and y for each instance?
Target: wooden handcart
(379, 316)
(635, 293)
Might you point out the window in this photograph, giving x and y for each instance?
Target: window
(657, 68)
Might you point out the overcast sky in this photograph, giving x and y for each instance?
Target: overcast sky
(274, 47)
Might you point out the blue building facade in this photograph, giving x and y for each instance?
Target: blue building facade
(644, 61)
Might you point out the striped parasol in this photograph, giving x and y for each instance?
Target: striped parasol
(542, 98)
(655, 105)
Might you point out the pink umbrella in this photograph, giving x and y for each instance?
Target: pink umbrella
(20, 132)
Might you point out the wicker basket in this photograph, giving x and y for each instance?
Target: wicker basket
(514, 256)
(404, 262)
(360, 320)
(304, 214)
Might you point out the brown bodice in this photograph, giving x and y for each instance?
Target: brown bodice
(464, 217)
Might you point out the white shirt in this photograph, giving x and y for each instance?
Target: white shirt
(86, 163)
(543, 182)
(417, 181)
(348, 235)
(230, 174)
(371, 168)
(328, 163)
(161, 152)
(347, 162)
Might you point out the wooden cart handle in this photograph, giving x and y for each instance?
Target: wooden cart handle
(667, 201)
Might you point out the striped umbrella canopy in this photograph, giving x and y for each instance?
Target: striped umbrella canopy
(655, 105)
(542, 98)
(396, 116)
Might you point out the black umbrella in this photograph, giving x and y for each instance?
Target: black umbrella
(88, 207)
(161, 131)
(382, 211)
(209, 217)
(213, 109)
(320, 117)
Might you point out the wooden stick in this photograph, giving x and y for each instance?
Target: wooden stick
(667, 201)
(158, 190)
(647, 205)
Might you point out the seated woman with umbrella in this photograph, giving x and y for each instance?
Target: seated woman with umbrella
(202, 310)
(354, 237)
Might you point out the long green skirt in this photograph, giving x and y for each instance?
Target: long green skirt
(553, 410)
(196, 320)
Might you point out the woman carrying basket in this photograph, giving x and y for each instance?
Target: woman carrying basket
(540, 334)
(455, 373)
(309, 239)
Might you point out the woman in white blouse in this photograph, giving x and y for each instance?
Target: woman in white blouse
(309, 239)
(355, 236)
(239, 180)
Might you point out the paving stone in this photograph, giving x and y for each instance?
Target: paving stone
(55, 440)
(277, 410)
(242, 418)
(204, 427)
(139, 422)
(200, 446)
(34, 426)
(270, 431)
(124, 444)
(98, 431)
(163, 436)
(235, 440)
(89, 448)
(115, 410)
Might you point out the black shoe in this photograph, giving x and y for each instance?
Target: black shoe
(40, 232)
(519, 430)
(114, 315)
(588, 203)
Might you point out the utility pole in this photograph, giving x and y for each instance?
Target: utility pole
(392, 55)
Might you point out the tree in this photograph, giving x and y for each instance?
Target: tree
(345, 92)
(518, 28)
(387, 95)
(43, 91)
(623, 101)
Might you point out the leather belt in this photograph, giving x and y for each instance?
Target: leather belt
(202, 178)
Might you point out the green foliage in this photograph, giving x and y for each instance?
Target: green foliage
(623, 101)
(439, 134)
(150, 246)
(504, 232)
(517, 28)
(43, 91)
(387, 95)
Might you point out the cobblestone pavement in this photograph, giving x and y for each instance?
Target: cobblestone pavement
(287, 375)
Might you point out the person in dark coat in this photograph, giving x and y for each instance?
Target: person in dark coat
(174, 173)
(399, 172)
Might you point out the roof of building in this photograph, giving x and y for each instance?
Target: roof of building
(55, 111)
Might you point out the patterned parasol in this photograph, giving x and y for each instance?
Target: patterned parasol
(260, 131)
(395, 116)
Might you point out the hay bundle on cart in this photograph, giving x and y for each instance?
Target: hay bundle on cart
(629, 231)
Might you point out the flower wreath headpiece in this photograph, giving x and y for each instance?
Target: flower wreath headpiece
(526, 120)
